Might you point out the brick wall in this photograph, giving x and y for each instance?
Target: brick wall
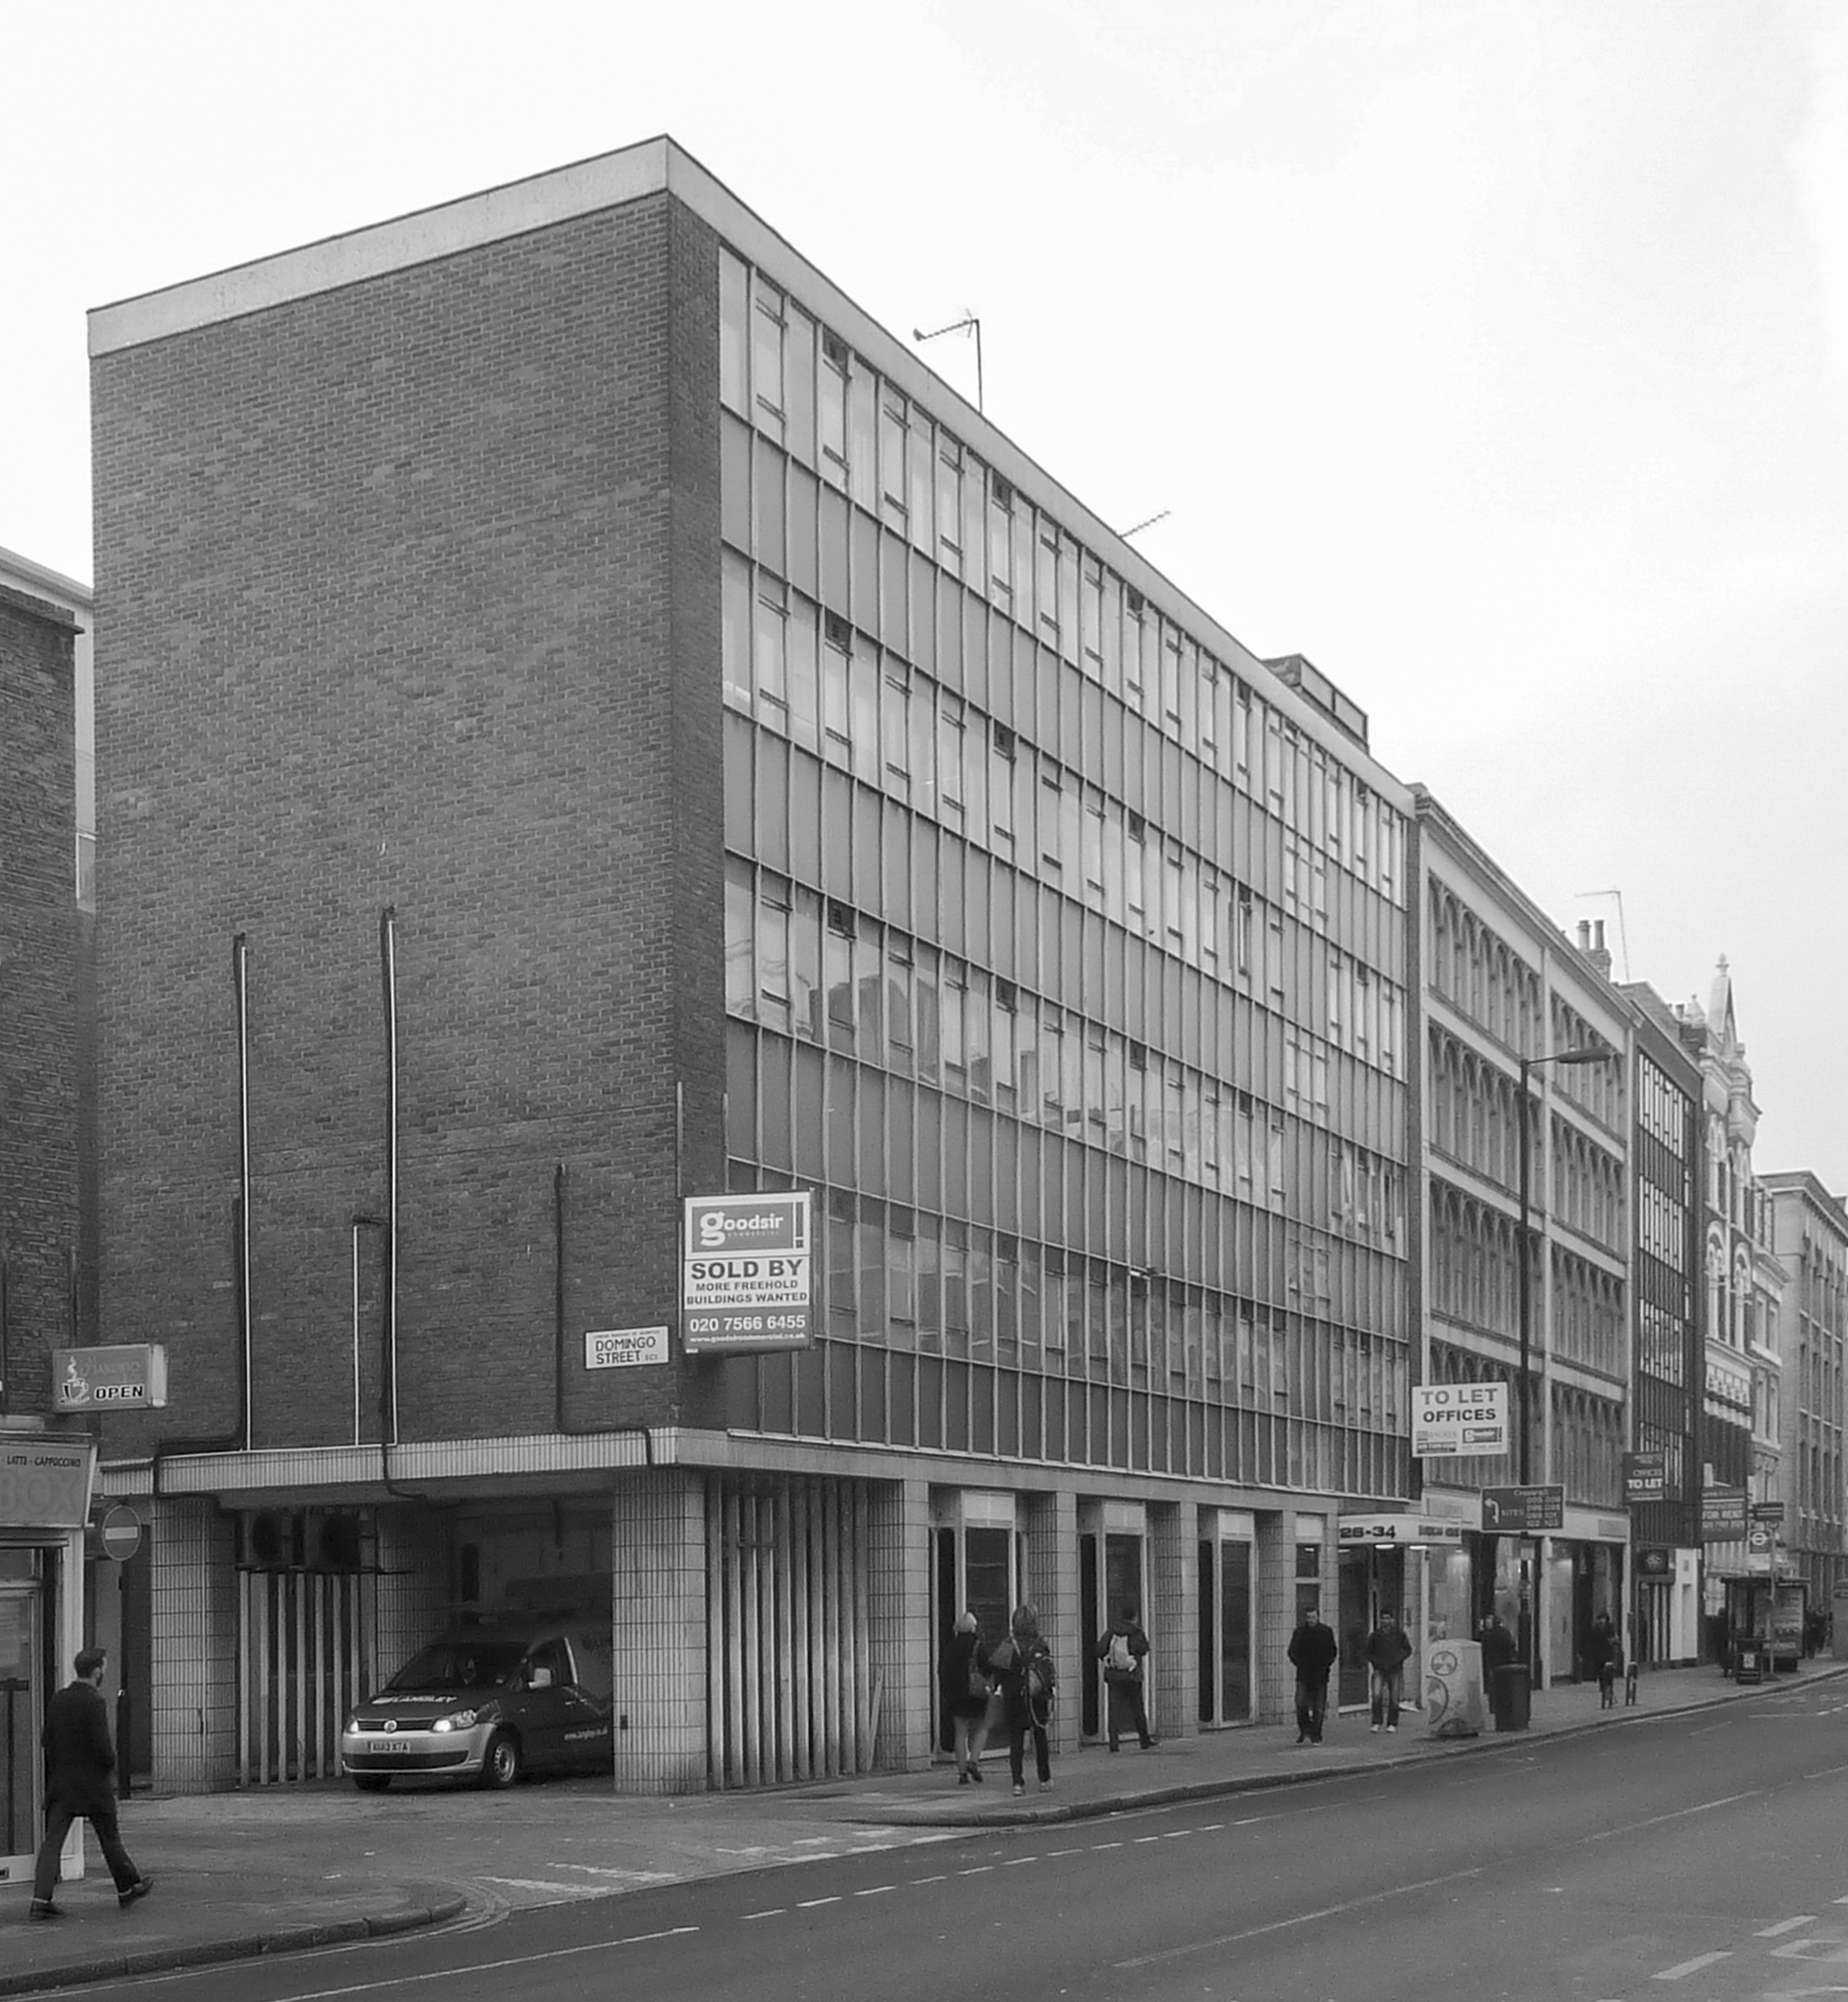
(38, 989)
(407, 596)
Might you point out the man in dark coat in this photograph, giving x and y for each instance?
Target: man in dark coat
(1313, 1649)
(80, 1776)
(1388, 1648)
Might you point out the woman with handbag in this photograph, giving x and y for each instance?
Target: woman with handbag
(967, 1685)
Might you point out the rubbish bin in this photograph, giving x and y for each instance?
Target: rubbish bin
(1511, 1697)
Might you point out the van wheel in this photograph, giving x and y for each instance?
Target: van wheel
(501, 1765)
(372, 1782)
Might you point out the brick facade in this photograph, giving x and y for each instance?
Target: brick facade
(38, 991)
(410, 599)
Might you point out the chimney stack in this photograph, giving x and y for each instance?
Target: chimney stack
(1595, 950)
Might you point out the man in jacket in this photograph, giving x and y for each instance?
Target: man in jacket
(1388, 1648)
(1313, 1649)
(1123, 1649)
(80, 1776)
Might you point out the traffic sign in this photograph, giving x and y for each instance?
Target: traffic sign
(1523, 1512)
(119, 1533)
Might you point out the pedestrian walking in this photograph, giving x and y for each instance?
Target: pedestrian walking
(967, 1687)
(1603, 1656)
(1313, 1651)
(80, 1784)
(1124, 1649)
(1023, 1669)
(1388, 1648)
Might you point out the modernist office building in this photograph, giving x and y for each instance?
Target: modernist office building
(587, 719)
(1505, 996)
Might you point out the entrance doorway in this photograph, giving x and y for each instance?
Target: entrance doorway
(980, 1560)
(1226, 1595)
(25, 1675)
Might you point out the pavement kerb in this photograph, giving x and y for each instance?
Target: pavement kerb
(1006, 1814)
(246, 1946)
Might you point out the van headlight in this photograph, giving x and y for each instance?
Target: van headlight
(457, 1720)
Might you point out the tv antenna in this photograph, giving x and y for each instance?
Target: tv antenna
(967, 324)
(1125, 534)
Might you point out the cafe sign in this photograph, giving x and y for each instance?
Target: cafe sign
(44, 1482)
(130, 1377)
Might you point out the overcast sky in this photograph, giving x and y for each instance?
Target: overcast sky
(1494, 354)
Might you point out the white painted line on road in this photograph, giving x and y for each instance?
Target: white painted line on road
(1689, 1967)
(808, 1904)
(1141, 1839)
(1212, 1827)
(878, 1890)
(1786, 1925)
(1174, 1835)
(1106, 1845)
(943, 1879)
(495, 1967)
(775, 1912)
(979, 1870)
(1825, 1772)
(1051, 1853)
(1301, 1918)
(1706, 1807)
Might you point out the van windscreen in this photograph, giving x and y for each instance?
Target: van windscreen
(458, 1664)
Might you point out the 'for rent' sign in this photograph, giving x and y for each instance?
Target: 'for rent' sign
(1450, 1420)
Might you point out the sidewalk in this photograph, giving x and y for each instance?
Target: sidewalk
(244, 1874)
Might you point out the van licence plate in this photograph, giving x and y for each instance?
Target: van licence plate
(388, 1744)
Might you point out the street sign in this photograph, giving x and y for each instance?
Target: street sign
(615, 1348)
(119, 1533)
(1523, 1512)
(746, 1274)
(1645, 1477)
(1722, 1515)
(1761, 1547)
(1450, 1420)
(1767, 1512)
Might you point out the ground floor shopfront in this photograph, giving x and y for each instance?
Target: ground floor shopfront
(1546, 1590)
(776, 1613)
(46, 1480)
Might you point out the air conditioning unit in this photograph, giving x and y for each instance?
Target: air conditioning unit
(272, 1539)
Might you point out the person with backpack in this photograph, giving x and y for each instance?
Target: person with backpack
(1123, 1649)
(1022, 1666)
(966, 1688)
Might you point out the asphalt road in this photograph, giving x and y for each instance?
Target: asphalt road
(1697, 1858)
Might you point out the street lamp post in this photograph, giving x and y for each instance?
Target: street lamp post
(1524, 1284)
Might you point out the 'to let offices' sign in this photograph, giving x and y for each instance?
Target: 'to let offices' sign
(1451, 1420)
(748, 1270)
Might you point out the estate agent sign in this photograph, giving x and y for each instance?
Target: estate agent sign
(746, 1274)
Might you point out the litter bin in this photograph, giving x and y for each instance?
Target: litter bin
(1511, 1697)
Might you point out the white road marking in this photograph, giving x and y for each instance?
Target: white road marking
(1783, 1926)
(1301, 1918)
(808, 1904)
(1706, 1807)
(1689, 1967)
(943, 1879)
(775, 1912)
(878, 1890)
(495, 1967)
